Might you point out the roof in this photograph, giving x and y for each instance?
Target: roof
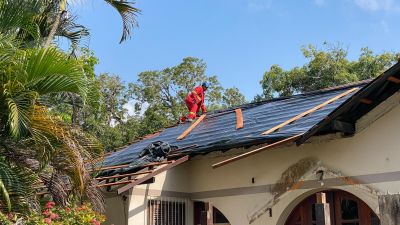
(374, 92)
(217, 132)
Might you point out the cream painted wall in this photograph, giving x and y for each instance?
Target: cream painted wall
(372, 150)
(115, 210)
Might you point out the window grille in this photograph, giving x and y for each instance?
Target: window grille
(167, 211)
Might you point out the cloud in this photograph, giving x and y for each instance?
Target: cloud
(259, 5)
(130, 108)
(378, 5)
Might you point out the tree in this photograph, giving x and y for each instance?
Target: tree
(232, 97)
(166, 90)
(32, 139)
(38, 22)
(126, 10)
(41, 140)
(325, 68)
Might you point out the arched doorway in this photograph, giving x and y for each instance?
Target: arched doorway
(345, 209)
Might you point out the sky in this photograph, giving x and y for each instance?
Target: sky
(238, 39)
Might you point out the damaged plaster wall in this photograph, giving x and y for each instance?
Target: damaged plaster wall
(389, 206)
(310, 169)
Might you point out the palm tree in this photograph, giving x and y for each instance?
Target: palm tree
(31, 138)
(126, 10)
(36, 147)
(37, 22)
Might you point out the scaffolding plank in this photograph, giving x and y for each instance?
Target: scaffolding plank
(187, 131)
(239, 118)
(156, 172)
(255, 151)
(337, 97)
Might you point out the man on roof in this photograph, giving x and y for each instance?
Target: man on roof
(195, 101)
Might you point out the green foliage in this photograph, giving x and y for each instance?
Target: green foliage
(325, 68)
(15, 187)
(28, 76)
(17, 17)
(232, 97)
(165, 91)
(128, 14)
(45, 94)
(157, 99)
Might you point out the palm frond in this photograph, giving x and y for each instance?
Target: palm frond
(17, 15)
(74, 32)
(57, 185)
(5, 195)
(71, 150)
(17, 183)
(52, 71)
(128, 14)
(19, 107)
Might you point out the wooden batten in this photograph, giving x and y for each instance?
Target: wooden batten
(289, 121)
(187, 131)
(239, 118)
(151, 175)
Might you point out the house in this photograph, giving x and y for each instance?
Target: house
(271, 162)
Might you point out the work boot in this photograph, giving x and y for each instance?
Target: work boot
(190, 120)
(182, 119)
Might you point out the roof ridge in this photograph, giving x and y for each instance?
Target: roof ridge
(262, 102)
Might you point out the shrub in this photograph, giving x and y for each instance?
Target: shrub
(57, 215)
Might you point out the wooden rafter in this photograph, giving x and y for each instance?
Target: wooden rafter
(124, 175)
(289, 121)
(239, 118)
(255, 151)
(154, 173)
(187, 131)
(151, 180)
(114, 183)
(126, 165)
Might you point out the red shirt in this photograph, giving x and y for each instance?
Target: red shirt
(198, 95)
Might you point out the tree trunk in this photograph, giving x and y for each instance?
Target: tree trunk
(53, 30)
(56, 23)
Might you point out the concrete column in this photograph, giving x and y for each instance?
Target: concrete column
(322, 212)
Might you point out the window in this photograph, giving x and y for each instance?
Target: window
(161, 212)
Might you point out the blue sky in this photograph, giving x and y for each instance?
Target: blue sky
(238, 39)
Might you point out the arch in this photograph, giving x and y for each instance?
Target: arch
(370, 203)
